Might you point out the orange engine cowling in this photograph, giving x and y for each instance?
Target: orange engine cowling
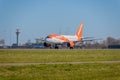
(72, 44)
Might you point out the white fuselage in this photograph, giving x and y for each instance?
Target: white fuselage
(71, 37)
(58, 40)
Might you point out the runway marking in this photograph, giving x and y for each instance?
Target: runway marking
(33, 63)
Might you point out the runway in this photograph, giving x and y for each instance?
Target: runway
(55, 63)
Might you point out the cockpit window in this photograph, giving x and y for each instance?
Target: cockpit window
(47, 37)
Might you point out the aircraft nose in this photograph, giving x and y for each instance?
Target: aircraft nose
(47, 39)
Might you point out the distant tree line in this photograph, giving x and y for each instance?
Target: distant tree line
(109, 42)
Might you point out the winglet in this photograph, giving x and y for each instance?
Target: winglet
(79, 31)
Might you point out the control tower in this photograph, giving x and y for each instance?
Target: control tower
(17, 36)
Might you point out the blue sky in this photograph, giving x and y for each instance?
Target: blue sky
(38, 18)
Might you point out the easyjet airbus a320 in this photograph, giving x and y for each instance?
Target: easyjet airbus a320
(69, 40)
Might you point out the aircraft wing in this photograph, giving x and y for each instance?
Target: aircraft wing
(87, 39)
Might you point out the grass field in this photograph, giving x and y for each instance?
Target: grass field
(83, 71)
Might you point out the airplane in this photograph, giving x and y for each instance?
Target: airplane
(68, 40)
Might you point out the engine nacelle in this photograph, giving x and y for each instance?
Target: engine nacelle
(70, 45)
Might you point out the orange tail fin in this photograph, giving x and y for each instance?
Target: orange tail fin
(79, 32)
